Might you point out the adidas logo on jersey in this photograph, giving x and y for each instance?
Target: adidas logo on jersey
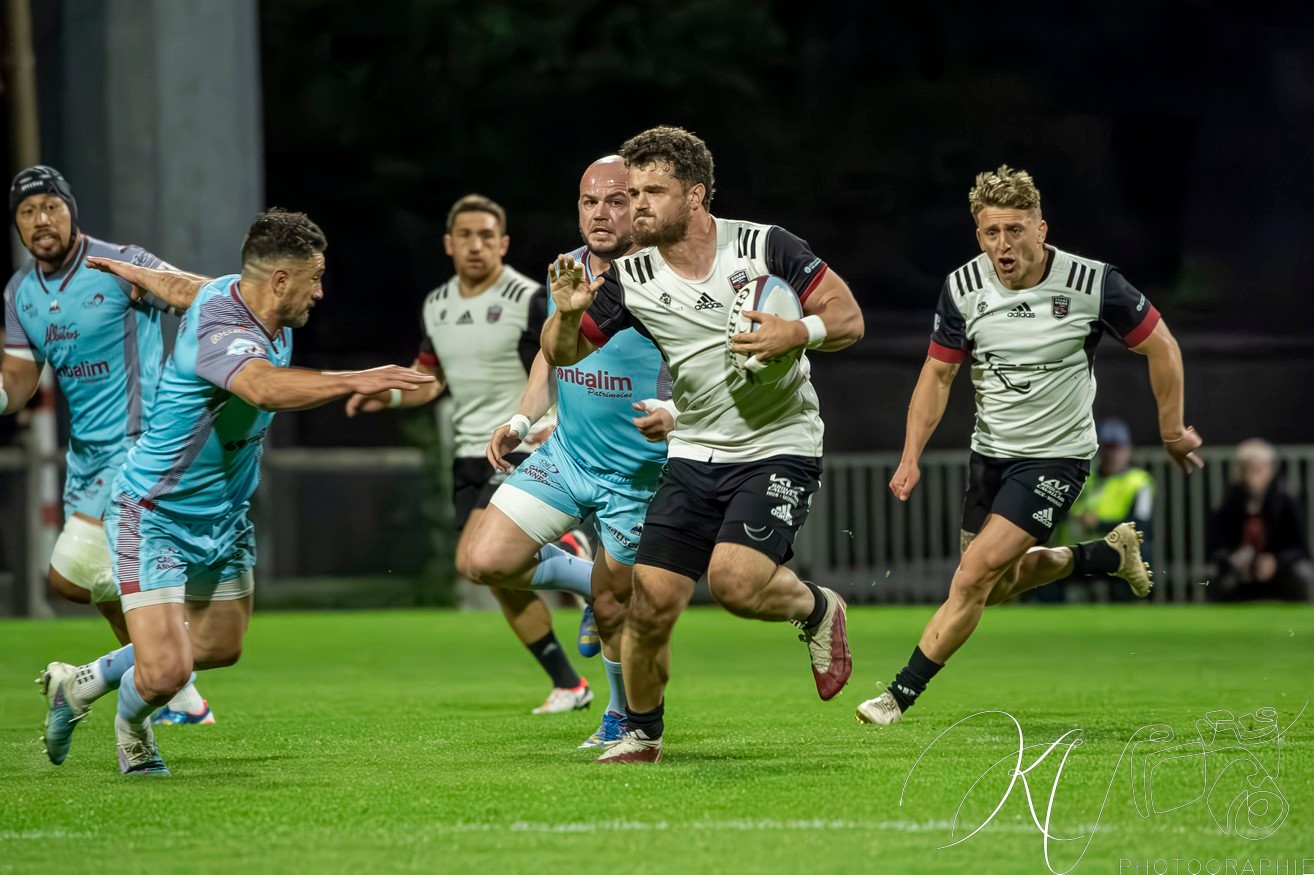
(707, 302)
(465, 319)
(784, 513)
(1021, 311)
(1045, 516)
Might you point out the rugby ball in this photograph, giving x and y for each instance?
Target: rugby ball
(766, 294)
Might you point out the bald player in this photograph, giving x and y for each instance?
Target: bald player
(605, 456)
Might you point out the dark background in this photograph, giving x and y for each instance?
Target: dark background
(1172, 139)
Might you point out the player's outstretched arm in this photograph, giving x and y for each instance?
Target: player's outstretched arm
(929, 400)
(1168, 379)
(175, 288)
(386, 398)
(271, 388)
(19, 378)
(562, 340)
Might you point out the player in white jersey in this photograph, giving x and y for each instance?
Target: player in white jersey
(481, 331)
(745, 457)
(1030, 317)
(604, 458)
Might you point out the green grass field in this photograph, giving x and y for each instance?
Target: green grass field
(402, 741)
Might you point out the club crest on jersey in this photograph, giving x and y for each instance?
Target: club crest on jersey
(738, 279)
(981, 308)
(494, 313)
(1059, 305)
(94, 301)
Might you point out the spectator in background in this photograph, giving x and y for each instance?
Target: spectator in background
(1258, 538)
(1114, 493)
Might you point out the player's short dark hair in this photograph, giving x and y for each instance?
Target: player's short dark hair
(476, 203)
(688, 156)
(278, 234)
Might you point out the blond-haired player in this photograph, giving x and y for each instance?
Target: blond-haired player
(1029, 316)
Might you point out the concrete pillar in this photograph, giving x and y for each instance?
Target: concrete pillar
(161, 124)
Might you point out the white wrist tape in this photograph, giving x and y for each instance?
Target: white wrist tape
(816, 331)
(519, 425)
(653, 404)
(394, 397)
(4, 399)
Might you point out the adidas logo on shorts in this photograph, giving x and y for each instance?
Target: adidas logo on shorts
(1021, 311)
(1045, 516)
(707, 302)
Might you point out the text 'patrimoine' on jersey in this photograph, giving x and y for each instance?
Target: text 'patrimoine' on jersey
(485, 346)
(723, 417)
(1033, 350)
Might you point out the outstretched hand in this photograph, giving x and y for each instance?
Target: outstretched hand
(370, 389)
(570, 292)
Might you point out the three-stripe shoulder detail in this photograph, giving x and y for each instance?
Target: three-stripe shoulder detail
(638, 267)
(1081, 275)
(967, 278)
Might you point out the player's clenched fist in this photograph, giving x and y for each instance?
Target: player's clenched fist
(905, 479)
(1183, 450)
(569, 290)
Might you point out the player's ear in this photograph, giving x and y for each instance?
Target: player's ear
(980, 240)
(1042, 229)
(506, 243)
(447, 244)
(278, 281)
(697, 194)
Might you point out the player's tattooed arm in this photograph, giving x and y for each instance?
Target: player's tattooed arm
(562, 340)
(925, 410)
(1168, 380)
(172, 288)
(264, 386)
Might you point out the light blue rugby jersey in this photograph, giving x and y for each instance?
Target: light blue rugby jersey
(595, 397)
(201, 455)
(106, 351)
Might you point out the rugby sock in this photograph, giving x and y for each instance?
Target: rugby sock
(1095, 557)
(99, 676)
(558, 570)
(547, 650)
(188, 700)
(818, 606)
(912, 680)
(132, 707)
(650, 723)
(616, 680)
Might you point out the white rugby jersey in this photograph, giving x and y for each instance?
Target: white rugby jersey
(485, 346)
(723, 417)
(1033, 350)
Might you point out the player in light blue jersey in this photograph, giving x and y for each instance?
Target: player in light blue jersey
(182, 547)
(601, 459)
(106, 351)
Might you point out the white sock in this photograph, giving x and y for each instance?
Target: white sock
(188, 700)
(89, 684)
